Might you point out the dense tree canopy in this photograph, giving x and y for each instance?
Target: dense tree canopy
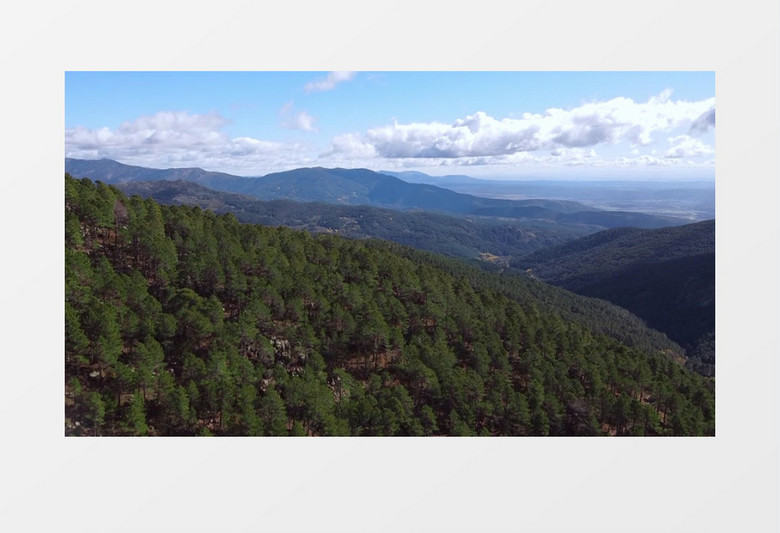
(666, 276)
(182, 322)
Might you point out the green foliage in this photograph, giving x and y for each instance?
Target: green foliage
(665, 276)
(188, 323)
(441, 233)
(96, 410)
(136, 416)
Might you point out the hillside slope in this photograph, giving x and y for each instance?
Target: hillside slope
(182, 322)
(665, 276)
(465, 237)
(460, 237)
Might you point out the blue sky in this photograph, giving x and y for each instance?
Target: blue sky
(570, 125)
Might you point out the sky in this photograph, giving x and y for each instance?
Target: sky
(500, 125)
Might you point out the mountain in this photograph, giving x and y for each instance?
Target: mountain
(182, 322)
(337, 185)
(692, 200)
(496, 241)
(665, 276)
(109, 171)
(365, 187)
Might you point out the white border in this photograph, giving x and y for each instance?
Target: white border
(725, 483)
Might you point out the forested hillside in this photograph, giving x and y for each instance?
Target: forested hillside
(182, 322)
(465, 237)
(493, 242)
(666, 276)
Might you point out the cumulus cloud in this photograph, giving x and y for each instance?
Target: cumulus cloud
(351, 145)
(179, 139)
(304, 121)
(330, 82)
(296, 120)
(480, 135)
(641, 161)
(171, 129)
(687, 146)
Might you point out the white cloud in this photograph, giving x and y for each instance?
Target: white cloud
(304, 121)
(330, 82)
(658, 133)
(300, 120)
(641, 161)
(480, 135)
(351, 145)
(687, 146)
(357, 154)
(177, 139)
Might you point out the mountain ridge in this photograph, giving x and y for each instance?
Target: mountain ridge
(366, 187)
(464, 237)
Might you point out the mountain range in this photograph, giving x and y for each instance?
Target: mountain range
(692, 200)
(365, 187)
(470, 237)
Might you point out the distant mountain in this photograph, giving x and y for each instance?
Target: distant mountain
(464, 237)
(337, 185)
(365, 187)
(665, 276)
(692, 200)
(111, 172)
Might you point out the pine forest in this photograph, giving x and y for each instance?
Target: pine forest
(182, 322)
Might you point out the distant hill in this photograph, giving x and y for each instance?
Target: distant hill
(110, 172)
(464, 237)
(665, 276)
(692, 200)
(365, 187)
